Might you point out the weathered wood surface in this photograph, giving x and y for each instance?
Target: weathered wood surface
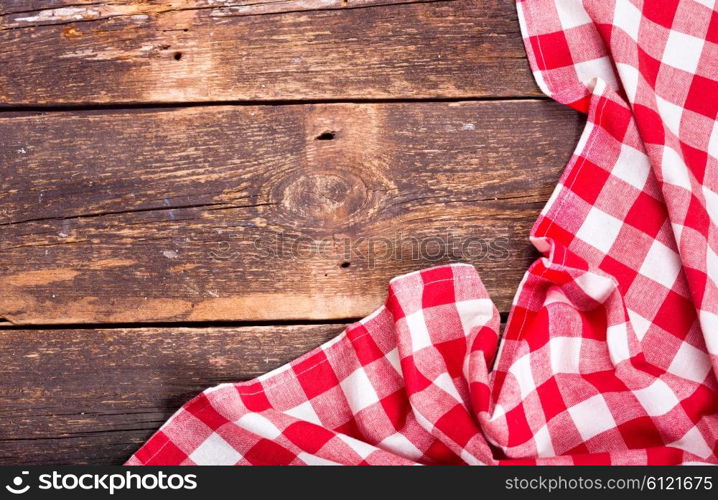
(80, 52)
(40, 12)
(265, 212)
(94, 396)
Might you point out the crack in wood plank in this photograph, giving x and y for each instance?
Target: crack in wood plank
(209, 206)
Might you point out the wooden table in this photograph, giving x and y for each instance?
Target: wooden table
(198, 191)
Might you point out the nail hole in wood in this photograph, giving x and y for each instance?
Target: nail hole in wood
(345, 264)
(178, 56)
(326, 136)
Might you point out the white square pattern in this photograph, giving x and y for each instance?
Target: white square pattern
(640, 324)
(713, 141)
(358, 390)
(360, 447)
(565, 354)
(417, 329)
(393, 358)
(711, 267)
(693, 442)
(447, 385)
(632, 166)
(544, 445)
(617, 340)
(521, 369)
(661, 264)
(602, 68)
(670, 113)
(599, 229)
(314, 460)
(592, 417)
(629, 79)
(657, 399)
(215, 451)
(627, 17)
(674, 169)
(709, 322)
(683, 51)
(475, 312)
(711, 198)
(400, 445)
(305, 411)
(571, 13)
(598, 287)
(690, 363)
(259, 425)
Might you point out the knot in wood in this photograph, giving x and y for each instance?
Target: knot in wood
(325, 198)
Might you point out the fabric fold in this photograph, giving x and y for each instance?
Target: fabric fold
(610, 351)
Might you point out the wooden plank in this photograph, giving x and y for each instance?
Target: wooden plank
(94, 396)
(69, 52)
(42, 12)
(266, 212)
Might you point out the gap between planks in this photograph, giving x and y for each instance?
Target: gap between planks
(149, 106)
(198, 325)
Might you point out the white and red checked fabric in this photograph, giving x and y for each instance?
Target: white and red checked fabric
(610, 354)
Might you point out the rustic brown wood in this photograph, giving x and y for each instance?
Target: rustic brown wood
(63, 11)
(70, 52)
(265, 212)
(93, 396)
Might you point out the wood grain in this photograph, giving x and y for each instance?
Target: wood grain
(41, 12)
(166, 51)
(94, 396)
(265, 212)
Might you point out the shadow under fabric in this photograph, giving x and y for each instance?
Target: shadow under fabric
(610, 354)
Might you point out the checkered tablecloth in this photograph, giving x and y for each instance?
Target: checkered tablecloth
(610, 353)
